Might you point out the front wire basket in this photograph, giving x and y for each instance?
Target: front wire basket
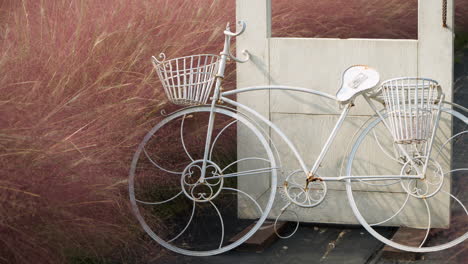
(187, 80)
(410, 104)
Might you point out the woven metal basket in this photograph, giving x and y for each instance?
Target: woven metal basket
(410, 106)
(187, 80)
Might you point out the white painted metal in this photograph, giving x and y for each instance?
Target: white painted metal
(272, 126)
(297, 193)
(325, 147)
(278, 87)
(409, 103)
(225, 54)
(284, 210)
(330, 139)
(187, 80)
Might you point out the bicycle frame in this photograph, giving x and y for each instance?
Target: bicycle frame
(220, 96)
(312, 171)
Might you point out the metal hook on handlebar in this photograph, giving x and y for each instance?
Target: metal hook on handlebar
(229, 34)
(245, 53)
(228, 31)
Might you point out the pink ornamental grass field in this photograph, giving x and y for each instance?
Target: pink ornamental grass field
(77, 95)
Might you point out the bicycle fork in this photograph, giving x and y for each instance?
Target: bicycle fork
(225, 55)
(209, 132)
(219, 79)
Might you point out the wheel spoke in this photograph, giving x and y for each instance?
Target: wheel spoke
(243, 159)
(458, 201)
(447, 141)
(186, 226)
(455, 170)
(391, 217)
(217, 136)
(162, 202)
(428, 223)
(157, 165)
(246, 194)
(222, 224)
(182, 138)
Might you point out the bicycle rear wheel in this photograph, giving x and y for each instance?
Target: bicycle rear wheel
(437, 205)
(201, 217)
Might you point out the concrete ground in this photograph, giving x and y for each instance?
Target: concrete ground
(311, 244)
(323, 244)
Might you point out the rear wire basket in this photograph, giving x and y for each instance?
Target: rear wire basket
(410, 104)
(188, 80)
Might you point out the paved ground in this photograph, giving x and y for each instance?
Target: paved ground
(322, 244)
(311, 244)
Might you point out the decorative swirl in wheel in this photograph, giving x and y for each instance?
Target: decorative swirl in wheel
(199, 190)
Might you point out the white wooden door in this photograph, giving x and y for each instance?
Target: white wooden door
(317, 64)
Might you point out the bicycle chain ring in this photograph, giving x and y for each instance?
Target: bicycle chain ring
(303, 192)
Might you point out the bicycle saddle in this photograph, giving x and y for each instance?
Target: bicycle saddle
(356, 80)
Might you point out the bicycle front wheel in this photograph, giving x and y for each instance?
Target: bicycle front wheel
(187, 213)
(436, 205)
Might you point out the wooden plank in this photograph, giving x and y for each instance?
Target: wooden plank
(262, 239)
(408, 236)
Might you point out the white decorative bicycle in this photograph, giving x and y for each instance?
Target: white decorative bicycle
(184, 178)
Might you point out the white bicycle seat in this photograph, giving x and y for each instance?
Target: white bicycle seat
(356, 80)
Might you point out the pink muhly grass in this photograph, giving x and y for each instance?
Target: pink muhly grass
(78, 92)
(345, 19)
